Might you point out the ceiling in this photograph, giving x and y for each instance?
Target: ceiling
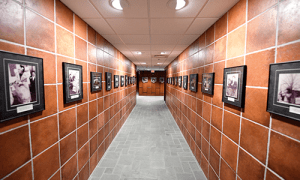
(149, 26)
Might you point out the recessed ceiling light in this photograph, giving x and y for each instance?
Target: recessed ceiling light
(163, 53)
(119, 4)
(143, 63)
(176, 4)
(139, 52)
(159, 63)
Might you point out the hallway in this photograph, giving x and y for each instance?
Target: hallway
(149, 146)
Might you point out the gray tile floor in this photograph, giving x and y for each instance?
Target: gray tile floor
(149, 146)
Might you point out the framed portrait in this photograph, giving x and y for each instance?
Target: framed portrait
(208, 81)
(234, 84)
(22, 85)
(161, 79)
(122, 81)
(176, 81)
(153, 79)
(126, 80)
(185, 82)
(144, 79)
(96, 81)
(173, 80)
(194, 82)
(116, 81)
(72, 82)
(180, 81)
(108, 80)
(133, 80)
(284, 90)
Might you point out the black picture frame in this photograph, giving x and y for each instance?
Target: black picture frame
(122, 81)
(96, 81)
(126, 80)
(22, 85)
(153, 79)
(208, 82)
(108, 77)
(161, 79)
(185, 82)
(173, 80)
(116, 81)
(176, 81)
(180, 81)
(283, 93)
(194, 82)
(234, 84)
(72, 82)
(144, 79)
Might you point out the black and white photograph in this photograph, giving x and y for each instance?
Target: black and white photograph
(176, 81)
(122, 81)
(185, 82)
(234, 84)
(161, 79)
(180, 81)
(194, 82)
(284, 90)
(116, 81)
(108, 80)
(22, 90)
(96, 81)
(126, 80)
(208, 83)
(153, 79)
(144, 79)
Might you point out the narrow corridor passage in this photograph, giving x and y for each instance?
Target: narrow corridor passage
(149, 146)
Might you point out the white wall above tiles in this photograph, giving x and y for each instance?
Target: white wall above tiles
(149, 26)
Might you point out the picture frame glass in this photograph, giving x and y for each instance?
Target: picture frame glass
(194, 82)
(122, 81)
(116, 81)
(180, 81)
(108, 77)
(96, 81)
(185, 82)
(208, 83)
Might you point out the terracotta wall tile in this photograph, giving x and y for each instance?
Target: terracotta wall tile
(17, 141)
(12, 48)
(12, 22)
(82, 135)
(92, 54)
(92, 35)
(220, 49)
(206, 111)
(80, 27)
(289, 52)
(257, 64)
(209, 54)
(210, 35)
(217, 97)
(221, 27)
(47, 163)
(69, 170)
(229, 152)
(65, 42)
(271, 176)
(80, 49)
(219, 72)
(7, 125)
(289, 25)
(235, 62)
(286, 126)
(214, 160)
(84, 173)
(236, 42)
(237, 15)
(284, 157)
(226, 172)
(67, 122)
(216, 117)
(92, 109)
(44, 133)
(25, 172)
(231, 126)
(64, 16)
(83, 155)
(39, 32)
(255, 7)
(67, 148)
(261, 32)
(215, 139)
(245, 161)
(205, 130)
(82, 114)
(45, 8)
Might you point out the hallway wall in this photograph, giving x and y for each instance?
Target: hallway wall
(149, 88)
(227, 141)
(65, 140)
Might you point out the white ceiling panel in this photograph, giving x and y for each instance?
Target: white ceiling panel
(165, 39)
(100, 26)
(121, 47)
(139, 47)
(188, 39)
(200, 25)
(162, 47)
(180, 47)
(83, 8)
(137, 8)
(114, 39)
(159, 53)
(159, 9)
(166, 26)
(216, 8)
(130, 26)
(135, 39)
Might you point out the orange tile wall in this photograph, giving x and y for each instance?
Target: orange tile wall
(65, 141)
(229, 142)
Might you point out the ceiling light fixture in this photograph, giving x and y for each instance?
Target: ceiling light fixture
(159, 63)
(177, 4)
(163, 53)
(119, 4)
(139, 53)
(143, 63)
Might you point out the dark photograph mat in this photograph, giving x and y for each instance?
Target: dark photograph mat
(122, 81)
(208, 81)
(116, 81)
(72, 82)
(185, 82)
(96, 81)
(284, 90)
(22, 90)
(108, 80)
(234, 84)
(194, 82)
(126, 80)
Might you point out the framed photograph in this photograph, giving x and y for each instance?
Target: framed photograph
(194, 82)
(176, 81)
(180, 81)
(284, 90)
(173, 80)
(96, 81)
(144, 79)
(208, 81)
(22, 85)
(122, 81)
(234, 84)
(133, 79)
(72, 82)
(108, 80)
(161, 79)
(116, 81)
(185, 82)
(153, 79)
(126, 80)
